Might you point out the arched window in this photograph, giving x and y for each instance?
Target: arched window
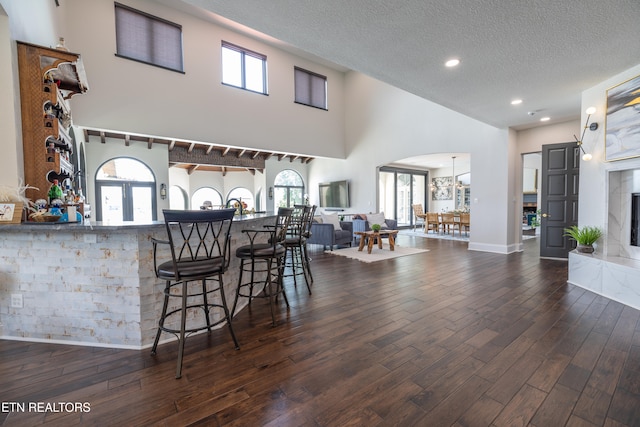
(177, 198)
(241, 193)
(206, 194)
(125, 191)
(288, 189)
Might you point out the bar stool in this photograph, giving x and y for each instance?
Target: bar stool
(264, 257)
(200, 251)
(305, 246)
(295, 245)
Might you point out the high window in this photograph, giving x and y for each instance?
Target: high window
(147, 38)
(125, 191)
(206, 196)
(241, 194)
(288, 189)
(310, 88)
(243, 68)
(177, 198)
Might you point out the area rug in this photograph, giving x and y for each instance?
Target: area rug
(376, 254)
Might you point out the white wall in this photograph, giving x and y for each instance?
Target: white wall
(133, 97)
(594, 175)
(531, 141)
(386, 124)
(10, 169)
(369, 123)
(34, 21)
(156, 158)
(274, 167)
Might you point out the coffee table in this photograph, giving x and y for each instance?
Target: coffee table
(370, 237)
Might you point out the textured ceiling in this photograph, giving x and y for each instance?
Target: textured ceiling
(545, 52)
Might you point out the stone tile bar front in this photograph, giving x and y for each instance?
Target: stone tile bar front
(90, 284)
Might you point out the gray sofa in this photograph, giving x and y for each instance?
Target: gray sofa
(327, 236)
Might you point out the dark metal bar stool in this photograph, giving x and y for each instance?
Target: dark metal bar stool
(264, 257)
(305, 247)
(200, 251)
(295, 244)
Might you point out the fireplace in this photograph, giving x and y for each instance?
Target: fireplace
(635, 219)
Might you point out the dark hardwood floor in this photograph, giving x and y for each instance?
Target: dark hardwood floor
(448, 337)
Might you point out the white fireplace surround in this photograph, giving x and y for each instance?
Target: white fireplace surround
(614, 269)
(622, 184)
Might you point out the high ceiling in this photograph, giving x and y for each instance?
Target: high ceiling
(545, 52)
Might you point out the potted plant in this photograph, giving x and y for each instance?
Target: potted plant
(376, 227)
(585, 237)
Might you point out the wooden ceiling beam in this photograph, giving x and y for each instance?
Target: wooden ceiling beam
(200, 153)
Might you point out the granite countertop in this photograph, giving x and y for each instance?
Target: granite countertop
(89, 226)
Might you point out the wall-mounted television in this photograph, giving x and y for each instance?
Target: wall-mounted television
(334, 194)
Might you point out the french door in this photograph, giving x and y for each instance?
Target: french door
(399, 189)
(125, 201)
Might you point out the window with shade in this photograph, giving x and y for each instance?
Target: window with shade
(148, 39)
(310, 88)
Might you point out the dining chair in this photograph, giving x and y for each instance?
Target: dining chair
(449, 222)
(432, 222)
(420, 216)
(465, 222)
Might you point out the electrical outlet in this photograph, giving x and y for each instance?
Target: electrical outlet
(16, 301)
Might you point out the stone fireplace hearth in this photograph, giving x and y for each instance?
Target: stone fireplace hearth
(614, 269)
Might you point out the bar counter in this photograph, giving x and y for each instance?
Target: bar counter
(91, 284)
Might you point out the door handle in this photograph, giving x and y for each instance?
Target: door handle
(544, 215)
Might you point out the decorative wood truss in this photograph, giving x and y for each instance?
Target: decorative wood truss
(201, 156)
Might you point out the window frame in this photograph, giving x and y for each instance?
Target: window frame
(311, 75)
(289, 189)
(243, 72)
(150, 18)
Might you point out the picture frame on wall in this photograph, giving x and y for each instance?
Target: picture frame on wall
(622, 122)
(442, 188)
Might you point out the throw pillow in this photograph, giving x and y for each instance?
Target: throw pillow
(333, 220)
(377, 218)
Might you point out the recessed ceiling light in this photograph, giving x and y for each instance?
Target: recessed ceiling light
(516, 102)
(545, 119)
(452, 63)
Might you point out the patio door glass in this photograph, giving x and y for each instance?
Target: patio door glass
(398, 189)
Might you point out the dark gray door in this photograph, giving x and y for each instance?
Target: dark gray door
(559, 198)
